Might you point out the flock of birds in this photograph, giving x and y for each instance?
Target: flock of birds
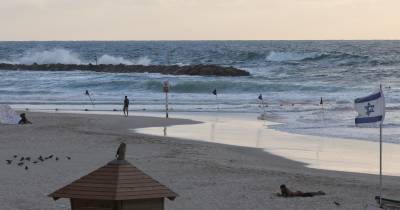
(25, 161)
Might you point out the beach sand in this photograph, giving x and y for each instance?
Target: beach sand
(205, 175)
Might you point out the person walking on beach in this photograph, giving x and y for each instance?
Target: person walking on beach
(126, 106)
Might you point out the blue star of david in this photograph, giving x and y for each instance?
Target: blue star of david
(369, 108)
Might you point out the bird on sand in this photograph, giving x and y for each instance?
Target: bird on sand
(34, 162)
(15, 156)
(40, 158)
(20, 163)
(56, 158)
(28, 158)
(9, 162)
(26, 167)
(22, 159)
(69, 158)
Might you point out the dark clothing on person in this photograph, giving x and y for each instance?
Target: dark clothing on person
(24, 120)
(126, 106)
(285, 192)
(126, 102)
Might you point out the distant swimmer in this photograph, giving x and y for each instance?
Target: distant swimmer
(126, 106)
(24, 120)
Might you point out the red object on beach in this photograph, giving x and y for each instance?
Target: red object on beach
(166, 87)
(116, 186)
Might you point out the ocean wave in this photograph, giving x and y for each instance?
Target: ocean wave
(64, 56)
(311, 56)
(289, 56)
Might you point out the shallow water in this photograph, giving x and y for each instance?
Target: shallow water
(338, 154)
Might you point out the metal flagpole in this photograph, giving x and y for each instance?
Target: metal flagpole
(380, 159)
(166, 104)
(380, 164)
(262, 104)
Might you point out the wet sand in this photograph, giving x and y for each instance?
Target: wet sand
(317, 152)
(205, 175)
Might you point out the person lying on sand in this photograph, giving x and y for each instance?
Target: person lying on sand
(24, 120)
(285, 192)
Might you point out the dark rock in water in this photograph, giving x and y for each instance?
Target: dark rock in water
(201, 70)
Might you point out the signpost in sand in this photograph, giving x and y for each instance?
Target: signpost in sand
(166, 90)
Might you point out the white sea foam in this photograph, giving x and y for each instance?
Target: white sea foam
(108, 59)
(64, 56)
(49, 56)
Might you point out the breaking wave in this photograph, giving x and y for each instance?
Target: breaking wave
(64, 56)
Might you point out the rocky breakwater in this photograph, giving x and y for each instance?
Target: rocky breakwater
(201, 70)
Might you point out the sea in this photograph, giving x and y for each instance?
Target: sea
(291, 76)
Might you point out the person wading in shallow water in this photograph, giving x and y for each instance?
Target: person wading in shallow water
(126, 106)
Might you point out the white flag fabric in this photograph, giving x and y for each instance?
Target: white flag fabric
(371, 109)
(8, 115)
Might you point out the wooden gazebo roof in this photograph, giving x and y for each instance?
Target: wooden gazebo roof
(118, 180)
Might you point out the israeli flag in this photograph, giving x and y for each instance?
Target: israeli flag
(371, 109)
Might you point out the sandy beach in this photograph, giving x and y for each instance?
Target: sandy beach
(205, 175)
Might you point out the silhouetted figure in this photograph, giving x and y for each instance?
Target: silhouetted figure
(24, 120)
(26, 167)
(9, 162)
(285, 192)
(126, 106)
(121, 152)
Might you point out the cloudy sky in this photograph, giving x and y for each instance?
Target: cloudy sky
(198, 19)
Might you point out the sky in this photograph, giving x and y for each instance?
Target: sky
(199, 19)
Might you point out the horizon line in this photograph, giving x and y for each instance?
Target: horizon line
(190, 40)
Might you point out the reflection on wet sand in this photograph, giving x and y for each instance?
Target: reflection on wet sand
(318, 152)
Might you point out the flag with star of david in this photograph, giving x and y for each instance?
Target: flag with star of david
(371, 109)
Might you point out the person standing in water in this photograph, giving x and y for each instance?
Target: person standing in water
(126, 106)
